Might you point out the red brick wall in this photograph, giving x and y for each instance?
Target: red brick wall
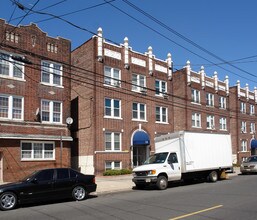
(99, 92)
(15, 169)
(33, 91)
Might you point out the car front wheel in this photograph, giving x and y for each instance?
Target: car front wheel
(79, 193)
(8, 200)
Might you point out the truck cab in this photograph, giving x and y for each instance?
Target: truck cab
(158, 169)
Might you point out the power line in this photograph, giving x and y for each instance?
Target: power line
(50, 6)
(74, 12)
(19, 5)
(93, 33)
(185, 47)
(87, 81)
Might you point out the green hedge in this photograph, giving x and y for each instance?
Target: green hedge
(117, 172)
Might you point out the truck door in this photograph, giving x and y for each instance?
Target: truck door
(174, 169)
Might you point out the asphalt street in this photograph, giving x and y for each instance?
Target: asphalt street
(234, 198)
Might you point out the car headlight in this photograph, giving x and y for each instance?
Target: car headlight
(1, 190)
(151, 172)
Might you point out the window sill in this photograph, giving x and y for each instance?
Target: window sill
(113, 86)
(31, 160)
(52, 85)
(115, 118)
(51, 123)
(159, 122)
(139, 120)
(12, 78)
(11, 120)
(196, 103)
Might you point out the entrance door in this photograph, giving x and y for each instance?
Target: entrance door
(1, 167)
(139, 155)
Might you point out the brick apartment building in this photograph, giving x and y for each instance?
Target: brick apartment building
(210, 105)
(243, 120)
(120, 101)
(34, 101)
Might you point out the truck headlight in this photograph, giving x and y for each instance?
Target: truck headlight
(151, 172)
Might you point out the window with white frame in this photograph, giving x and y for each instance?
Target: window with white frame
(112, 76)
(222, 102)
(195, 95)
(196, 120)
(252, 127)
(160, 87)
(252, 109)
(242, 107)
(244, 145)
(112, 141)
(243, 126)
(11, 107)
(37, 150)
(223, 123)
(209, 99)
(112, 108)
(51, 73)
(139, 111)
(51, 111)
(10, 68)
(210, 122)
(161, 114)
(138, 83)
(113, 165)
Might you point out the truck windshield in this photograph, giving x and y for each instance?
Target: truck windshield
(157, 158)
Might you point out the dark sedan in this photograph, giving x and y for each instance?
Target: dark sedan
(48, 184)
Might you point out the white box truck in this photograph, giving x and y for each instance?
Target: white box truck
(185, 156)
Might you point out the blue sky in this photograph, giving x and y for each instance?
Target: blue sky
(225, 30)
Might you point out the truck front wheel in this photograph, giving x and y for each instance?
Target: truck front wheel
(162, 183)
(213, 176)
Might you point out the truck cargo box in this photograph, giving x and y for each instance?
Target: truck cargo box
(198, 151)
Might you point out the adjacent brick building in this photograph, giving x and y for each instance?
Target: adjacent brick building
(34, 101)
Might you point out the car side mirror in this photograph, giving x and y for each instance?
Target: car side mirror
(35, 181)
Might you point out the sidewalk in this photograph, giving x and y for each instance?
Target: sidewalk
(111, 184)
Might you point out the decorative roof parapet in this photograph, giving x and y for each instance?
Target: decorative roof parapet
(188, 69)
(247, 91)
(227, 85)
(150, 55)
(238, 89)
(100, 44)
(216, 81)
(170, 66)
(126, 53)
(202, 73)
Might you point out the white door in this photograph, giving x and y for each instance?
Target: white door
(1, 167)
(174, 169)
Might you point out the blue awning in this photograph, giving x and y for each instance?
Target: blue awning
(141, 138)
(253, 144)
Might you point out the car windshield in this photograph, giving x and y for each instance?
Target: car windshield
(157, 158)
(252, 159)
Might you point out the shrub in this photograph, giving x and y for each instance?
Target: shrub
(117, 172)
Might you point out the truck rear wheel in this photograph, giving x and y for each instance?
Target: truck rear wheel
(162, 183)
(213, 176)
